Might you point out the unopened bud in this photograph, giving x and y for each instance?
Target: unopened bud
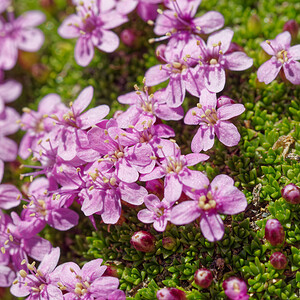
(278, 260)
(291, 193)
(168, 242)
(143, 241)
(170, 294)
(203, 278)
(254, 25)
(274, 232)
(292, 27)
(128, 37)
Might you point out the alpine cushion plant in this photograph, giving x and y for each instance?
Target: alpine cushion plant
(220, 196)
(213, 122)
(283, 57)
(92, 27)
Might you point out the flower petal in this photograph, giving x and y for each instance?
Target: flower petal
(30, 40)
(83, 100)
(209, 22)
(227, 133)
(292, 71)
(173, 188)
(229, 111)
(84, 51)
(185, 213)
(294, 52)
(215, 79)
(212, 226)
(146, 216)
(156, 75)
(268, 71)
(107, 42)
(224, 36)
(238, 61)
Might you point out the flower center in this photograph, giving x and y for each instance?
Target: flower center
(213, 61)
(210, 115)
(160, 212)
(174, 166)
(207, 202)
(282, 56)
(236, 287)
(178, 67)
(147, 107)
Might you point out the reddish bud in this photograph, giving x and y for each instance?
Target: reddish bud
(170, 294)
(291, 193)
(274, 232)
(111, 271)
(143, 241)
(168, 242)
(278, 260)
(128, 37)
(223, 100)
(235, 288)
(203, 278)
(292, 27)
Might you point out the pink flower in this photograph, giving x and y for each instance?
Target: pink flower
(221, 196)
(235, 289)
(180, 19)
(92, 27)
(19, 34)
(214, 59)
(10, 90)
(3, 5)
(213, 122)
(157, 212)
(283, 56)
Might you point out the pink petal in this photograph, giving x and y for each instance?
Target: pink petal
(1, 169)
(152, 202)
(48, 103)
(130, 98)
(31, 19)
(227, 133)
(37, 247)
(112, 19)
(10, 90)
(175, 91)
(215, 79)
(147, 11)
(50, 261)
(192, 116)
(292, 71)
(224, 36)
(63, 219)
(160, 224)
(194, 179)
(67, 29)
(203, 140)
(92, 201)
(107, 42)
(83, 100)
(283, 40)
(185, 213)
(126, 172)
(146, 216)
(8, 53)
(112, 209)
(103, 286)
(212, 226)
(155, 174)
(7, 276)
(9, 196)
(238, 61)
(8, 149)
(229, 111)
(220, 181)
(93, 269)
(294, 52)
(164, 23)
(128, 117)
(209, 22)
(155, 75)
(194, 158)
(208, 99)
(30, 40)
(268, 71)
(173, 188)
(93, 116)
(84, 51)
(132, 193)
(167, 113)
(268, 48)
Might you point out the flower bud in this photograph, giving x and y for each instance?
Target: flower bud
(274, 232)
(168, 243)
(203, 278)
(235, 288)
(278, 260)
(254, 25)
(223, 100)
(291, 193)
(111, 271)
(128, 37)
(292, 27)
(143, 241)
(170, 294)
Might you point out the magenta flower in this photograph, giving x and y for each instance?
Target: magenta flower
(36, 282)
(179, 69)
(235, 289)
(145, 107)
(9, 196)
(87, 283)
(214, 60)
(157, 212)
(92, 27)
(283, 56)
(180, 18)
(221, 196)
(213, 122)
(19, 34)
(174, 167)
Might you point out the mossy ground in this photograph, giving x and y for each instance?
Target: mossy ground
(258, 164)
